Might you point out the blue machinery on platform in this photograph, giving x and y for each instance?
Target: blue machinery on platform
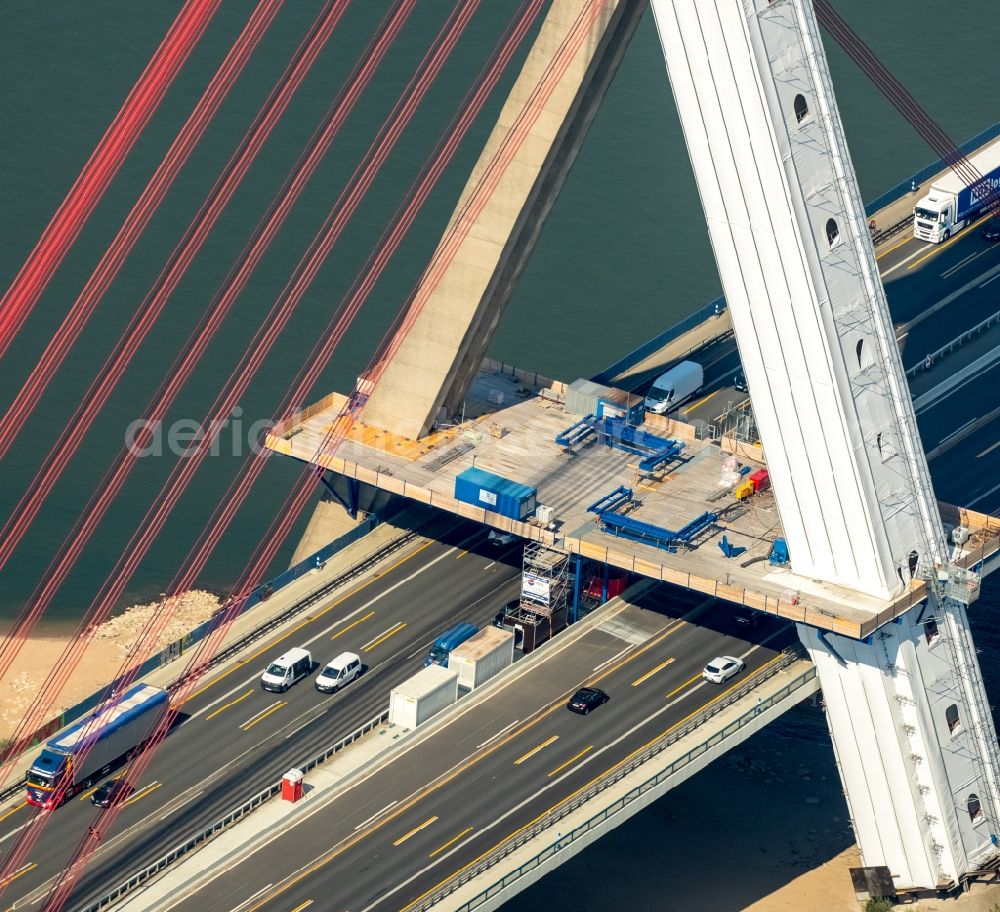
(655, 452)
(614, 522)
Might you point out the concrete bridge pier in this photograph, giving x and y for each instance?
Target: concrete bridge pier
(914, 742)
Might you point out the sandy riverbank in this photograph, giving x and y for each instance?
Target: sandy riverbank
(101, 662)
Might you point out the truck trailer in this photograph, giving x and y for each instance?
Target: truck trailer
(952, 202)
(82, 754)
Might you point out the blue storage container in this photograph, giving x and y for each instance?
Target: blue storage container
(496, 493)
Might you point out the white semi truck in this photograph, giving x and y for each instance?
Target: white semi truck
(952, 202)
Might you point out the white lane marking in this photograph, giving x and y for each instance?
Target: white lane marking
(951, 270)
(502, 731)
(246, 902)
(617, 656)
(327, 630)
(985, 494)
(545, 788)
(376, 815)
(987, 282)
(261, 712)
(989, 449)
(903, 262)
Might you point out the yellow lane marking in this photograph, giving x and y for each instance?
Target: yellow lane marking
(353, 624)
(302, 906)
(680, 687)
(902, 243)
(414, 831)
(7, 881)
(14, 810)
(382, 637)
(91, 791)
(450, 842)
(312, 617)
(691, 408)
(571, 760)
(535, 750)
(454, 774)
(215, 712)
(142, 793)
(945, 244)
(582, 788)
(651, 672)
(246, 726)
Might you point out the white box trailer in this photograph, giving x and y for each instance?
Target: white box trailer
(480, 657)
(424, 695)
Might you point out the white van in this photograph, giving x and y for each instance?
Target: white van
(340, 672)
(675, 387)
(285, 670)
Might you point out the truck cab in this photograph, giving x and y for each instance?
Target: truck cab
(448, 640)
(45, 776)
(934, 217)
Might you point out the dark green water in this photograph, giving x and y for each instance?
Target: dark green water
(624, 253)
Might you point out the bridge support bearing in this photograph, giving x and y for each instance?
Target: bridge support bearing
(915, 744)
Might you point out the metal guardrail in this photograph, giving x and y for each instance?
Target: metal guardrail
(790, 655)
(223, 823)
(884, 234)
(713, 308)
(261, 630)
(931, 359)
(307, 601)
(904, 187)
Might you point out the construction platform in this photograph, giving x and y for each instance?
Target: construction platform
(509, 428)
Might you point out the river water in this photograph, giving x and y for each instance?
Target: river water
(624, 253)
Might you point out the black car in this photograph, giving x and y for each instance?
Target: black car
(747, 618)
(113, 792)
(740, 382)
(991, 230)
(586, 699)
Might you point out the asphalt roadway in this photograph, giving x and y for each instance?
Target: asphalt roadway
(919, 279)
(435, 808)
(236, 738)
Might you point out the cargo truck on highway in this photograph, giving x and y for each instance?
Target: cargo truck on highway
(953, 202)
(81, 755)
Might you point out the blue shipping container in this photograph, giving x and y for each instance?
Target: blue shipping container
(496, 493)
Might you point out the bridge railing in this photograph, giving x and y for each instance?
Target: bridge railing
(225, 822)
(880, 236)
(176, 649)
(791, 655)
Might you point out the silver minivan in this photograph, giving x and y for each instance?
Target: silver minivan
(286, 670)
(340, 672)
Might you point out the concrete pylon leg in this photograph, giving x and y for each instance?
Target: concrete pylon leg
(915, 743)
(455, 318)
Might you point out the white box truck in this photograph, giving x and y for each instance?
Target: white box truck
(953, 202)
(424, 695)
(674, 387)
(479, 658)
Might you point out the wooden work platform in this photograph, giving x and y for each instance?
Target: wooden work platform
(511, 423)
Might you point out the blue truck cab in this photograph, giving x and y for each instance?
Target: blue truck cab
(448, 641)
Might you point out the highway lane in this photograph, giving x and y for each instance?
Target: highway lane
(917, 277)
(237, 738)
(390, 839)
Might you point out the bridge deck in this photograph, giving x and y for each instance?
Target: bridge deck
(518, 442)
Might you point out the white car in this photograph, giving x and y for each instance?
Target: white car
(497, 537)
(721, 669)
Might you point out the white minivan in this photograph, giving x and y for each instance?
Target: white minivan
(341, 671)
(286, 670)
(675, 387)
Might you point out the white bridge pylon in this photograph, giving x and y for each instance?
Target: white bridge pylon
(908, 714)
